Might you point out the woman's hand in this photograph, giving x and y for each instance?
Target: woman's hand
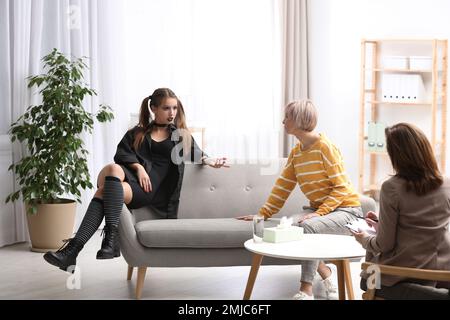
(359, 236)
(372, 220)
(246, 218)
(216, 163)
(308, 216)
(144, 179)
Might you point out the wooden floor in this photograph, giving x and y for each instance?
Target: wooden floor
(25, 275)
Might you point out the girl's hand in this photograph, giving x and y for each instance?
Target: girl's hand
(246, 218)
(308, 216)
(216, 163)
(144, 179)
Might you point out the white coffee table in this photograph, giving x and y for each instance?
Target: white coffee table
(337, 249)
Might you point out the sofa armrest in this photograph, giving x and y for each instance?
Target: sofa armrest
(367, 204)
(127, 222)
(131, 248)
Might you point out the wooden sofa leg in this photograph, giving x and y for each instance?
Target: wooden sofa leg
(130, 272)
(140, 281)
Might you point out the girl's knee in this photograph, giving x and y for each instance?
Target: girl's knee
(308, 226)
(99, 193)
(113, 169)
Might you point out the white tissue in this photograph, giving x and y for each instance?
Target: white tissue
(285, 223)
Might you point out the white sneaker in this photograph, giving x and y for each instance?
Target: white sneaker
(302, 296)
(330, 289)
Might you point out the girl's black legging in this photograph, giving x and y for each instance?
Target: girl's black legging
(110, 208)
(111, 205)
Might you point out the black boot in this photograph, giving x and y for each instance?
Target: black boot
(110, 244)
(66, 256)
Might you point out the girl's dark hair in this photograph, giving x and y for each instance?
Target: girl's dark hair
(155, 100)
(412, 158)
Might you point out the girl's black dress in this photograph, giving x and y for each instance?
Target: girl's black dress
(156, 157)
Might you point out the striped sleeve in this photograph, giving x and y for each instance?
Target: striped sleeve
(334, 167)
(281, 190)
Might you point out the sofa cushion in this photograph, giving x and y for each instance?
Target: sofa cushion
(195, 233)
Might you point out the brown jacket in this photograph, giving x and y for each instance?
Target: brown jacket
(413, 230)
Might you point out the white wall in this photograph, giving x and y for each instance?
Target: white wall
(336, 29)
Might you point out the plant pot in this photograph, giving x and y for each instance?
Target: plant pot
(52, 223)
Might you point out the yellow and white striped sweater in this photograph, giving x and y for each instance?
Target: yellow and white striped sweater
(320, 173)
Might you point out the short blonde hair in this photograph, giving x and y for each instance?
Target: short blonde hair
(304, 113)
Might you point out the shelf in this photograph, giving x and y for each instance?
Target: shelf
(403, 40)
(376, 105)
(399, 70)
(378, 153)
(370, 189)
(401, 103)
(385, 153)
(373, 187)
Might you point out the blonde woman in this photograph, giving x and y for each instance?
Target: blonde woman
(315, 164)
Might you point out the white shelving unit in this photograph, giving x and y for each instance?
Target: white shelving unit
(428, 111)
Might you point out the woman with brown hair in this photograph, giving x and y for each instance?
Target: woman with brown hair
(412, 230)
(148, 170)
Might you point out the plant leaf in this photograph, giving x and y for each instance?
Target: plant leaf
(55, 161)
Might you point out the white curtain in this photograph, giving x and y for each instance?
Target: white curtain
(222, 58)
(28, 31)
(294, 20)
(229, 61)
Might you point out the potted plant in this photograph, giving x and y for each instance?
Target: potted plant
(55, 164)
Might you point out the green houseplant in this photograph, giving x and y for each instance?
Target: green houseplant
(55, 164)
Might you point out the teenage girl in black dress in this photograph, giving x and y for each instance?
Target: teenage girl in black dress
(148, 170)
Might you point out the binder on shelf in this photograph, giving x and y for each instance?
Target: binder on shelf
(372, 137)
(408, 88)
(388, 88)
(416, 88)
(380, 137)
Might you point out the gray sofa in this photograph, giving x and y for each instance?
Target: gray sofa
(206, 233)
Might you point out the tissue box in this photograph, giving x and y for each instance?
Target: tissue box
(275, 234)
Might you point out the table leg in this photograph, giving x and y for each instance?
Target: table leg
(341, 276)
(348, 279)
(256, 262)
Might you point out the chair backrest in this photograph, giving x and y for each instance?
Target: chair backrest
(407, 290)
